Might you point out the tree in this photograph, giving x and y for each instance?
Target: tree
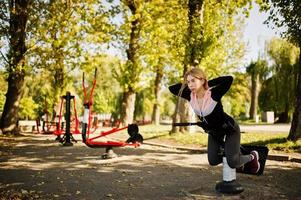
(193, 40)
(162, 46)
(283, 70)
(67, 29)
(38, 90)
(238, 97)
(257, 70)
(211, 40)
(132, 65)
(104, 99)
(286, 14)
(14, 19)
(28, 108)
(3, 86)
(144, 105)
(128, 73)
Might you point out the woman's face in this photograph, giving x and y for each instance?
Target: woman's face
(195, 84)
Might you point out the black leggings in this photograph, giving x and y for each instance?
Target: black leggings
(232, 148)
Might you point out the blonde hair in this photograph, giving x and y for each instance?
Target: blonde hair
(197, 73)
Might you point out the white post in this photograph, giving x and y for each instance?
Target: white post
(229, 185)
(86, 116)
(229, 174)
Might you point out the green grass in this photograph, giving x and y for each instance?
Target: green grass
(274, 141)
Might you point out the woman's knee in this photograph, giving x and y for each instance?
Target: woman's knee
(214, 161)
(233, 161)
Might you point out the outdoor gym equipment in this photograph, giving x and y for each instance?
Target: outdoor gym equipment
(134, 140)
(57, 127)
(229, 185)
(67, 99)
(66, 140)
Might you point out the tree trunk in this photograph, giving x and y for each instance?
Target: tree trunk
(175, 118)
(286, 113)
(254, 96)
(194, 36)
(58, 71)
(295, 131)
(129, 94)
(156, 107)
(10, 117)
(179, 114)
(128, 107)
(184, 115)
(16, 65)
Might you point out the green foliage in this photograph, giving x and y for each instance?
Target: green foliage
(68, 37)
(167, 104)
(267, 98)
(162, 43)
(220, 49)
(286, 15)
(3, 88)
(103, 104)
(238, 97)
(260, 68)
(127, 74)
(278, 92)
(27, 108)
(64, 37)
(38, 88)
(128, 36)
(2, 100)
(143, 104)
(107, 88)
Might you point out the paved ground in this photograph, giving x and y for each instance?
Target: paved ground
(36, 167)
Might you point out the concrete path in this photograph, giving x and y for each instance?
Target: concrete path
(266, 128)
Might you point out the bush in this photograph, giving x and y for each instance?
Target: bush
(27, 109)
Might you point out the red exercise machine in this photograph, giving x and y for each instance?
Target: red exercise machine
(134, 140)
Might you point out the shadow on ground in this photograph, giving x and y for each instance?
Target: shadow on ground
(36, 167)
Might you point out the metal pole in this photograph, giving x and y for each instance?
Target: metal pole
(68, 98)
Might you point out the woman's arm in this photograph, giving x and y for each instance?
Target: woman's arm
(220, 86)
(175, 89)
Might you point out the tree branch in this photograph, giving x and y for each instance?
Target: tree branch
(6, 60)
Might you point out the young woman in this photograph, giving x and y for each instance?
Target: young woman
(205, 99)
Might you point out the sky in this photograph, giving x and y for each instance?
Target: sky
(256, 33)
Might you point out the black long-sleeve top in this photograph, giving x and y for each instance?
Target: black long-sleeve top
(218, 86)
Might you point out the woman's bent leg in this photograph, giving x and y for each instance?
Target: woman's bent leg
(213, 149)
(232, 149)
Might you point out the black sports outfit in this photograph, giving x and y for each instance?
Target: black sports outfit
(222, 129)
